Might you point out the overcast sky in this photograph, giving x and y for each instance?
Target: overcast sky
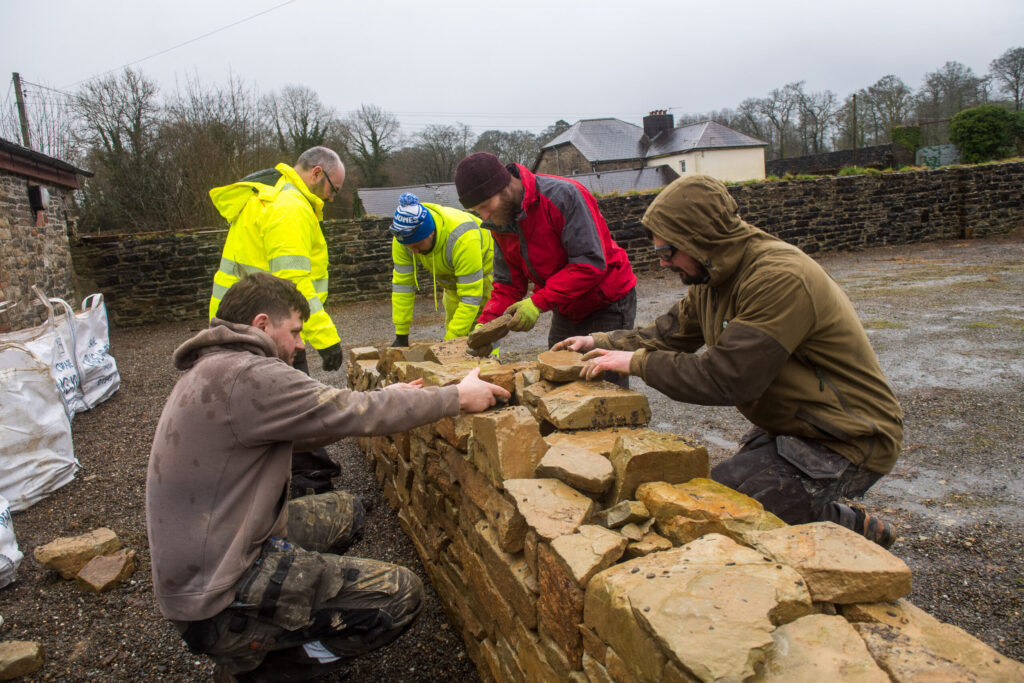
(509, 65)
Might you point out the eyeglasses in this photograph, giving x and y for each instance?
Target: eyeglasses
(665, 252)
(334, 190)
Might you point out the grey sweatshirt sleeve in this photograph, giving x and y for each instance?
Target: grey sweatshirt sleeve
(272, 402)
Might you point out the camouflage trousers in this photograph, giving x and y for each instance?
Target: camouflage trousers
(302, 611)
(796, 479)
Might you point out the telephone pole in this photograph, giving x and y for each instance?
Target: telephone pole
(21, 110)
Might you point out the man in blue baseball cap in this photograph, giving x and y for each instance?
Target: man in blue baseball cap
(458, 253)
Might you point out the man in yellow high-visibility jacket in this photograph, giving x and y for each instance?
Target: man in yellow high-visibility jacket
(459, 255)
(275, 227)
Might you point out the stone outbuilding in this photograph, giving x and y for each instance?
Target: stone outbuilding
(36, 222)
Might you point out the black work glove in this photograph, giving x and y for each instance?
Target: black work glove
(331, 357)
(401, 340)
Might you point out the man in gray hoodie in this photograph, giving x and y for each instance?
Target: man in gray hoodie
(247, 577)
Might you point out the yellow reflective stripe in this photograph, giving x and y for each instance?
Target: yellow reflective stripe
(315, 305)
(403, 289)
(471, 278)
(471, 300)
(289, 262)
(320, 285)
(403, 269)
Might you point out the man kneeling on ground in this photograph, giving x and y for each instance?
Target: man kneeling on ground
(247, 577)
(782, 343)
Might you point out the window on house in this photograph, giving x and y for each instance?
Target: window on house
(682, 166)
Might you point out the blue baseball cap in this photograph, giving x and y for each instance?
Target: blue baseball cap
(412, 221)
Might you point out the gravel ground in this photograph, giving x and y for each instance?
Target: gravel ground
(947, 320)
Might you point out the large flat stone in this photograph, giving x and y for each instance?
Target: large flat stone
(651, 542)
(364, 353)
(506, 444)
(415, 353)
(819, 648)
(69, 554)
(19, 658)
(912, 645)
(509, 573)
(600, 441)
(654, 456)
(549, 507)
(504, 375)
(581, 469)
(455, 430)
(685, 512)
(501, 512)
(453, 372)
(560, 366)
(711, 604)
(450, 351)
(104, 572)
(592, 405)
(839, 565)
(624, 512)
(590, 550)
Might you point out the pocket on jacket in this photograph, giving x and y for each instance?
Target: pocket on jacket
(814, 460)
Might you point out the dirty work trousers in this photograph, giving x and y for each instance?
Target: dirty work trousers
(301, 611)
(618, 315)
(311, 469)
(797, 479)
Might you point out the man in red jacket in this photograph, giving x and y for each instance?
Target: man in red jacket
(549, 232)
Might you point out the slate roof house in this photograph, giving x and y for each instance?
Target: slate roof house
(592, 145)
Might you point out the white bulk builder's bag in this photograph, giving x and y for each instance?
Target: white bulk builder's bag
(53, 342)
(97, 369)
(10, 556)
(36, 453)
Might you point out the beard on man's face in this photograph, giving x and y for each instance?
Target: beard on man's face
(688, 279)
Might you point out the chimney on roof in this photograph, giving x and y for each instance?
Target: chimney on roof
(656, 122)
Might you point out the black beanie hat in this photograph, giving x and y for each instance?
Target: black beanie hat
(479, 177)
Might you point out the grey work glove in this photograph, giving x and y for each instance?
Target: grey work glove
(331, 357)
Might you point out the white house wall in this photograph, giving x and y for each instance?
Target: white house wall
(746, 163)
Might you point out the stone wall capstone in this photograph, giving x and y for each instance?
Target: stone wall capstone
(153, 277)
(31, 254)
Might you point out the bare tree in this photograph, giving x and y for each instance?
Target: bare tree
(891, 101)
(299, 118)
(119, 117)
(778, 109)
(816, 113)
(370, 134)
(437, 151)
(948, 91)
(1008, 71)
(518, 146)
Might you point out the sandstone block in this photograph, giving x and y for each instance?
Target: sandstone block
(590, 405)
(712, 604)
(912, 645)
(503, 375)
(524, 378)
(19, 658)
(489, 332)
(450, 351)
(359, 353)
(560, 605)
(617, 668)
(595, 671)
(839, 565)
(560, 366)
(624, 512)
(453, 372)
(70, 553)
(104, 572)
(501, 512)
(509, 573)
(549, 507)
(416, 353)
(506, 444)
(579, 468)
(819, 648)
(592, 643)
(531, 395)
(685, 512)
(600, 441)
(455, 430)
(590, 550)
(651, 542)
(653, 456)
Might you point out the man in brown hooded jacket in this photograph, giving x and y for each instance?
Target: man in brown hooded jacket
(783, 344)
(253, 580)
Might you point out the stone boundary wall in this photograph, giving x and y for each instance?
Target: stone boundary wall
(569, 542)
(152, 277)
(879, 156)
(31, 254)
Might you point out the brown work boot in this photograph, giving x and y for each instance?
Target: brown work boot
(869, 526)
